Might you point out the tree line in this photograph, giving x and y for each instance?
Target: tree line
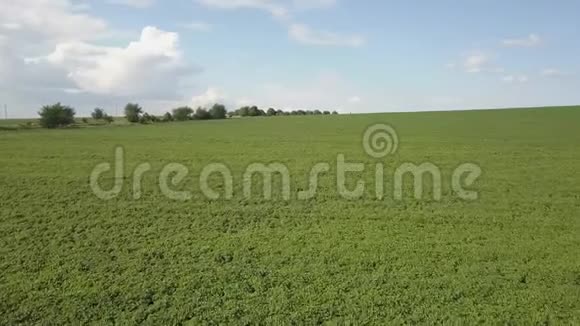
(58, 115)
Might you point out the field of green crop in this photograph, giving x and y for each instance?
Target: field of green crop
(510, 257)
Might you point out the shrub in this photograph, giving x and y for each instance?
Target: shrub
(244, 111)
(182, 113)
(85, 120)
(201, 114)
(57, 115)
(108, 119)
(167, 117)
(98, 114)
(326, 112)
(133, 112)
(253, 111)
(145, 118)
(218, 111)
(334, 112)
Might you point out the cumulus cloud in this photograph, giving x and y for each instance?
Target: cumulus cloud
(150, 66)
(304, 34)
(324, 91)
(531, 40)
(41, 20)
(210, 97)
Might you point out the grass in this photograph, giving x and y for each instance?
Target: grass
(511, 257)
(19, 124)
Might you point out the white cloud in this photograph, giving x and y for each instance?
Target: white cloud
(277, 8)
(324, 91)
(274, 8)
(515, 79)
(283, 12)
(42, 20)
(551, 72)
(304, 34)
(197, 26)
(476, 62)
(210, 97)
(531, 40)
(151, 66)
(134, 3)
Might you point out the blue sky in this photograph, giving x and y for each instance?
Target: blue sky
(352, 56)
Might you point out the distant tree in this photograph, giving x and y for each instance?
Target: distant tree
(145, 118)
(244, 111)
(253, 111)
(326, 112)
(261, 113)
(271, 112)
(57, 115)
(317, 112)
(133, 112)
(218, 111)
(279, 112)
(167, 117)
(85, 120)
(201, 114)
(108, 119)
(301, 112)
(98, 114)
(334, 112)
(183, 113)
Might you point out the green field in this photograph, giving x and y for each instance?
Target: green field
(510, 257)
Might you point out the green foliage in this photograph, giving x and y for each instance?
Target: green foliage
(108, 119)
(57, 115)
(201, 114)
(146, 118)
(167, 117)
(183, 113)
(244, 111)
(253, 111)
(509, 258)
(271, 112)
(133, 112)
(218, 111)
(98, 114)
